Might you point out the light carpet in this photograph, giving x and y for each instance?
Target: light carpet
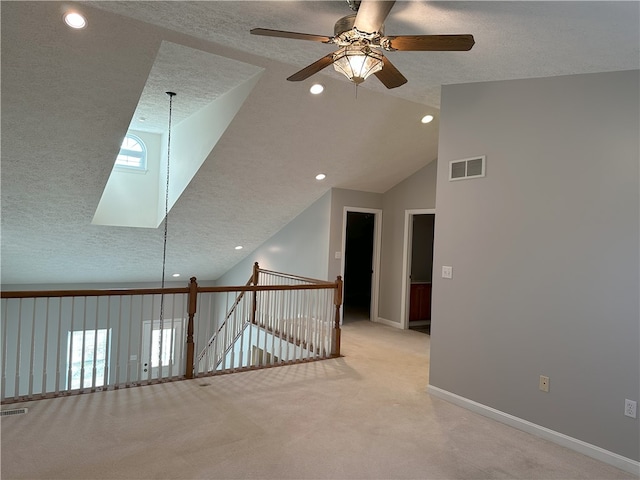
(363, 416)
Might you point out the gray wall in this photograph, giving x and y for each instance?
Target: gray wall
(544, 251)
(301, 247)
(416, 192)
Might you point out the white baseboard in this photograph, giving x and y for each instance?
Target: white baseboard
(384, 321)
(593, 451)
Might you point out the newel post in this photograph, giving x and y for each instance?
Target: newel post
(193, 301)
(337, 302)
(254, 281)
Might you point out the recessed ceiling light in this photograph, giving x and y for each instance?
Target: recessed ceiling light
(321, 176)
(75, 20)
(239, 247)
(427, 119)
(316, 88)
(176, 275)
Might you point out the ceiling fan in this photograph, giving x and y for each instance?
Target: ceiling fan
(360, 37)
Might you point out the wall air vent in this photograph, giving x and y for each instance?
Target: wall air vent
(467, 168)
(13, 411)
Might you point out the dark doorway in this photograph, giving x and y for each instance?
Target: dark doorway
(358, 266)
(421, 273)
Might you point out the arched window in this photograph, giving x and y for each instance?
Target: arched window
(133, 154)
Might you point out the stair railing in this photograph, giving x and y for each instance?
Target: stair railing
(64, 342)
(290, 318)
(210, 355)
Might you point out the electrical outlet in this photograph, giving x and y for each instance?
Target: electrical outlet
(630, 408)
(544, 383)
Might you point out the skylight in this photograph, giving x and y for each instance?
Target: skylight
(204, 115)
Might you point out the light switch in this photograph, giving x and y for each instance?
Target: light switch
(447, 272)
(338, 255)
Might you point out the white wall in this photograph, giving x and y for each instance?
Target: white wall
(544, 251)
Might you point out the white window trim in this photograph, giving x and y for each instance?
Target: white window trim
(133, 168)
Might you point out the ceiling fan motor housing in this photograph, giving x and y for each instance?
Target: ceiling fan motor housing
(345, 24)
(346, 34)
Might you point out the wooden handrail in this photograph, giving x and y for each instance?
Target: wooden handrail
(297, 277)
(92, 293)
(157, 291)
(260, 288)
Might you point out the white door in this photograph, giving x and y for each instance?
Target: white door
(162, 349)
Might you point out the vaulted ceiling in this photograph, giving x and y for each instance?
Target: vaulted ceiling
(68, 98)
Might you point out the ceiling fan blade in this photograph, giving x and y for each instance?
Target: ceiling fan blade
(372, 14)
(432, 42)
(390, 76)
(295, 35)
(315, 67)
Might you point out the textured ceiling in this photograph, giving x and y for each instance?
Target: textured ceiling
(200, 78)
(513, 39)
(68, 98)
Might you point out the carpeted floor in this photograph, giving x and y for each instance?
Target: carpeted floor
(363, 416)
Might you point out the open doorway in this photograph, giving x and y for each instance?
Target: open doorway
(359, 265)
(418, 269)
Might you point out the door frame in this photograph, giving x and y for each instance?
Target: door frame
(375, 261)
(406, 261)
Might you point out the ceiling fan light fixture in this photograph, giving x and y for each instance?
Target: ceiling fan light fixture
(357, 62)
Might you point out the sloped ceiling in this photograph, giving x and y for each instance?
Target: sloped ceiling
(68, 98)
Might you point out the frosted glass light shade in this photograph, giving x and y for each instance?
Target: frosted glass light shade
(357, 62)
